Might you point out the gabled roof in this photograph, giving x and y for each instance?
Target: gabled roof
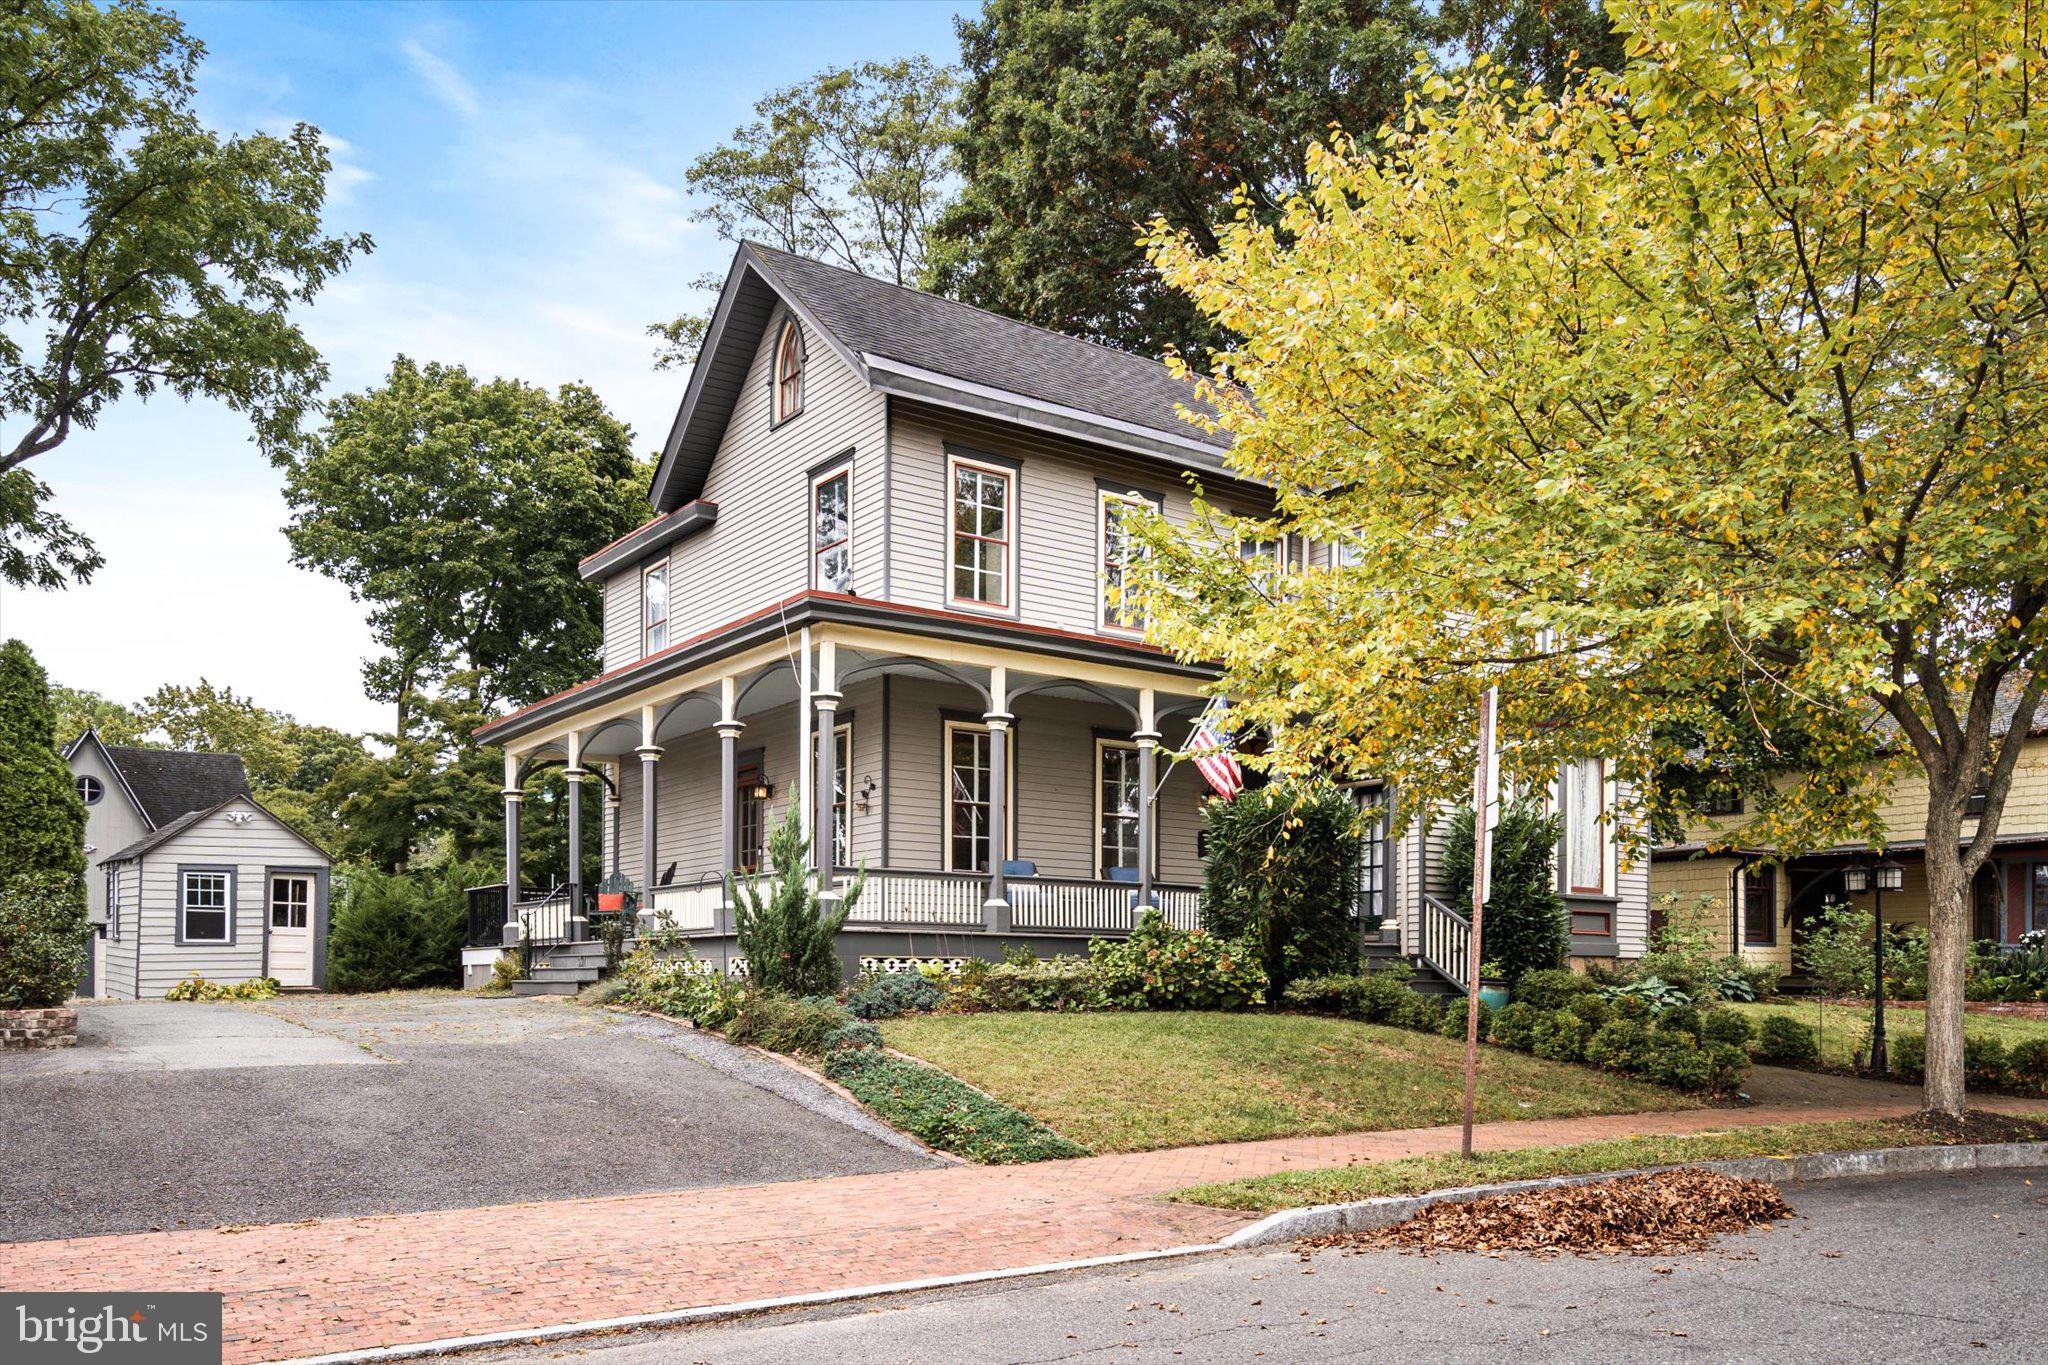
(934, 349)
(167, 783)
(173, 828)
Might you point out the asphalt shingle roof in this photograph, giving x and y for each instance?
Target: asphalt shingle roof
(170, 782)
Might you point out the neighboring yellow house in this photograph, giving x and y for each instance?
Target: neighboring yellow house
(1766, 909)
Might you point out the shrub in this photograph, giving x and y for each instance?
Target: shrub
(1984, 1061)
(1628, 1005)
(1784, 1039)
(1744, 980)
(1453, 1025)
(42, 821)
(1371, 997)
(43, 938)
(397, 931)
(1525, 928)
(782, 1023)
(860, 1033)
(1725, 1026)
(2027, 1065)
(1679, 1019)
(942, 1112)
(197, 987)
(1907, 1053)
(1553, 988)
(1678, 1061)
(1905, 962)
(1836, 951)
(1591, 1008)
(1560, 1036)
(1282, 873)
(894, 993)
(1160, 967)
(782, 928)
(1514, 1025)
(1727, 1068)
(1620, 1044)
(1056, 984)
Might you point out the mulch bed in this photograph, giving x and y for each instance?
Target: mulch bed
(1638, 1215)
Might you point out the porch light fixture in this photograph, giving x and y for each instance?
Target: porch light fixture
(762, 790)
(867, 793)
(1889, 876)
(1856, 879)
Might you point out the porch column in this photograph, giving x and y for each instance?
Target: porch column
(514, 797)
(614, 802)
(995, 911)
(650, 762)
(728, 728)
(826, 699)
(1147, 738)
(573, 772)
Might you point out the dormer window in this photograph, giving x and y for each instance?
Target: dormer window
(789, 372)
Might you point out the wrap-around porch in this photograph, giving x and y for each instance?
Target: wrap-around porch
(978, 793)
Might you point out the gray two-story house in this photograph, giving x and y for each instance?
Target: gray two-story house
(877, 582)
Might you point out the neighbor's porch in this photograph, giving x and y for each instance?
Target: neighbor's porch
(981, 792)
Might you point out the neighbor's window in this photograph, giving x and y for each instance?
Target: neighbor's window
(203, 907)
(1585, 832)
(114, 902)
(654, 597)
(967, 796)
(983, 538)
(832, 531)
(1114, 511)
(789, 373)
(1760, 907)
(1372, 873)
(89, 789)
(1117, 794)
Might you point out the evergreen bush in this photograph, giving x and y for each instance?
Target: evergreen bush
(395, 931)
(42, 821)
(1282, 872)
(1784, 1039)
(43, 938)
(893, 993)
(1553, 988)
(2027, 1065)
(1525, 928)
(783, 929)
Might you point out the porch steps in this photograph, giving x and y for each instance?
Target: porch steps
(1376, 953)
(562, 969)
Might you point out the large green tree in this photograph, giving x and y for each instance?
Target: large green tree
(1722, 375)
(143, 252)
(1085, 119)
(42, 821)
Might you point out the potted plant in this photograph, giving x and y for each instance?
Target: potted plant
(1493, 984)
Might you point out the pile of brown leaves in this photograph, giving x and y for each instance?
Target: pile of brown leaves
(1637, 1214)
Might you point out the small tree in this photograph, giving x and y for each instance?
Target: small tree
(784, 931)
(396, 932)
(1282, 871)
(1525, 928)
(42, 821)
(42, 939)
(1836, 954)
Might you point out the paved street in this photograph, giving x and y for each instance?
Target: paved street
(172, 1116)
(1927, 1267)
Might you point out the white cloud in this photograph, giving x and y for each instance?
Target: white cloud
(443, 79)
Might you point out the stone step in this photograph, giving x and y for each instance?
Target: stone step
(525, 987)
(565, 971)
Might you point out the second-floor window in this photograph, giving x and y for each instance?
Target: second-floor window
(1119, 549)
(654, 608)
(983, 555)
(832, 530)
(789, 372)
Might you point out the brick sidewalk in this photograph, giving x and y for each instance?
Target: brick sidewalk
(308, 1288)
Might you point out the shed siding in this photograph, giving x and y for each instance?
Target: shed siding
(120, 954)
(111, 824)
(758, 551)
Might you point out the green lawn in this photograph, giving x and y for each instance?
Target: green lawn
(1841, 1026)
(1133, 1082)
(1415, 1175)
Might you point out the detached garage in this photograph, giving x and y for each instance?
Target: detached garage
(229, 893)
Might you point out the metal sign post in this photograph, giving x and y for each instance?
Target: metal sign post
(1485, 786)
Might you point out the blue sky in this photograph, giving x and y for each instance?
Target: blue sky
(521, 168)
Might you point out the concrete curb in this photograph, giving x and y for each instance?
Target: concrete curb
(1322, 1220)
(1285, 1226)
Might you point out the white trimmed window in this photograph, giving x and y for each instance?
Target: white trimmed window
(114, 903)
(842, 783)
(1585, 827)
(288, 897)
(203, 907)
(1117, 548)
(1372, 867)
(967, 795)
(654, 609)
(789, 372)
(89, 789)
(1117, 794)
(832, 530)
(982, 560)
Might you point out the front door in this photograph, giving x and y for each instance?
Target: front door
(291, 927)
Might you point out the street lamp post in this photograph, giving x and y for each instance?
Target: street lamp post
(1877, 878)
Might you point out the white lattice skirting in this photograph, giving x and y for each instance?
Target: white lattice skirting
(950, 965)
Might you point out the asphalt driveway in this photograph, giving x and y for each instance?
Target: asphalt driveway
(190, 1115)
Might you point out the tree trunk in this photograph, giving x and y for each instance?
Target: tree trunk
(1948, 944)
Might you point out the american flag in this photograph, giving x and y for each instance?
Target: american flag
(1210, 747)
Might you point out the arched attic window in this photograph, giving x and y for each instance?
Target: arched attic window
(789, 372)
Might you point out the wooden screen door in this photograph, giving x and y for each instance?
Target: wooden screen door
(291, 928)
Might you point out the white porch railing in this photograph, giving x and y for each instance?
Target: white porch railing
(687, 907)
(892, 897)
(1055, 903)
(1181, 906)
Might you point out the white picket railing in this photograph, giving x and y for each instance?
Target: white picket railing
(687, 907)
(890, 897)
(1180, 905)
(1445, 943)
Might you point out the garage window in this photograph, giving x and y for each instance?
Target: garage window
(204, 896)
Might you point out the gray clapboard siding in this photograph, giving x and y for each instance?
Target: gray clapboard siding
(120, 953)
(758, 552)
(111, 823)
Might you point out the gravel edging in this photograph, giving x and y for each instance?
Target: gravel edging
(765, 1072)
(1322, 1220)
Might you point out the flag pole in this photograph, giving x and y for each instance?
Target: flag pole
(1484, 778)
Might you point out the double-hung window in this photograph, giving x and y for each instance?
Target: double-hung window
(203, 904)
(654, 609)
(1118, 549)
(842, 781)
(968, 789)
(1372, 868)
(982, 560)
(1760, 907)
(1585, 827)
(832, 530)
(1117, 796)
